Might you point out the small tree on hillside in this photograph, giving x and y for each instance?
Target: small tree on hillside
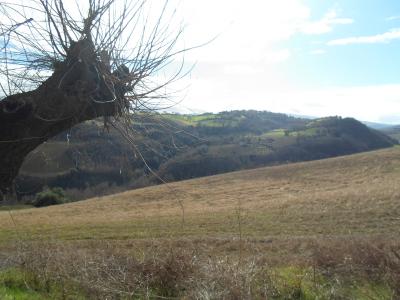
(60, 65)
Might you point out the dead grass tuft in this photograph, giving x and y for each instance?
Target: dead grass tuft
(378, 262)
(170, 270)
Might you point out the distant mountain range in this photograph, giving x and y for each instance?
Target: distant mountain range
(373, 125)
(392, 131)
(377, 125)
(88, 160)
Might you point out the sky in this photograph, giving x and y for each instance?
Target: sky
(303, 57)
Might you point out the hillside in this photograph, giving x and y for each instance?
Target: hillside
(89, 160)
(353, 194)
(325, 229)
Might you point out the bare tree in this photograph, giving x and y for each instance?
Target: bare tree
(60, 66)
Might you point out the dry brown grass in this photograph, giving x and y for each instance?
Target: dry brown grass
(325, 229)
(357, 194)
(198, 269)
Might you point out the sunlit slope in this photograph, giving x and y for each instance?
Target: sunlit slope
(356, 194)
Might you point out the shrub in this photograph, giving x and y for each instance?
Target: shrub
(48, 197)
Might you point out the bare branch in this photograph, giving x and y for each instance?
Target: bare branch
(62, 64)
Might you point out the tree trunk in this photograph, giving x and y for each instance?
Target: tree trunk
(76, 91)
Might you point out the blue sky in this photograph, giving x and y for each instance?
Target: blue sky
(306, 57)
(296, 56)
(349, 64)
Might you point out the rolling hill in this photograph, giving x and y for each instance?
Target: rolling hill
(89, 160)
(356, 194)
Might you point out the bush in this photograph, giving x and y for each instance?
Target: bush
(48, 197)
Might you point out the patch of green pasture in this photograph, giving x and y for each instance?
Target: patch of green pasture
(14, 207)
(307, 283)
(313, 131)
(16, 284)
(206, 120)
(275, 133)
(189, 119)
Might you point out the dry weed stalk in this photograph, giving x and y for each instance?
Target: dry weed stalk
(106, 271)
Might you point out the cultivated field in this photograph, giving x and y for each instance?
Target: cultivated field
(311, 223)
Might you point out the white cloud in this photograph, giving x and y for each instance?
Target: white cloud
(318, 52)
(247, 31)
(370, 103)
(393, 18)
(242, 70)
(252, 30)
(386, 37)
(367, 103)
(326, 24)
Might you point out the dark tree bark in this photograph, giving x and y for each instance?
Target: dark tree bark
(74, 93)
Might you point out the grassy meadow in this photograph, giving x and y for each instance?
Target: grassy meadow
(326, 229)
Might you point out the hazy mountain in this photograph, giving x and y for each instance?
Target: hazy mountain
(392, 131)
(375, 125)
